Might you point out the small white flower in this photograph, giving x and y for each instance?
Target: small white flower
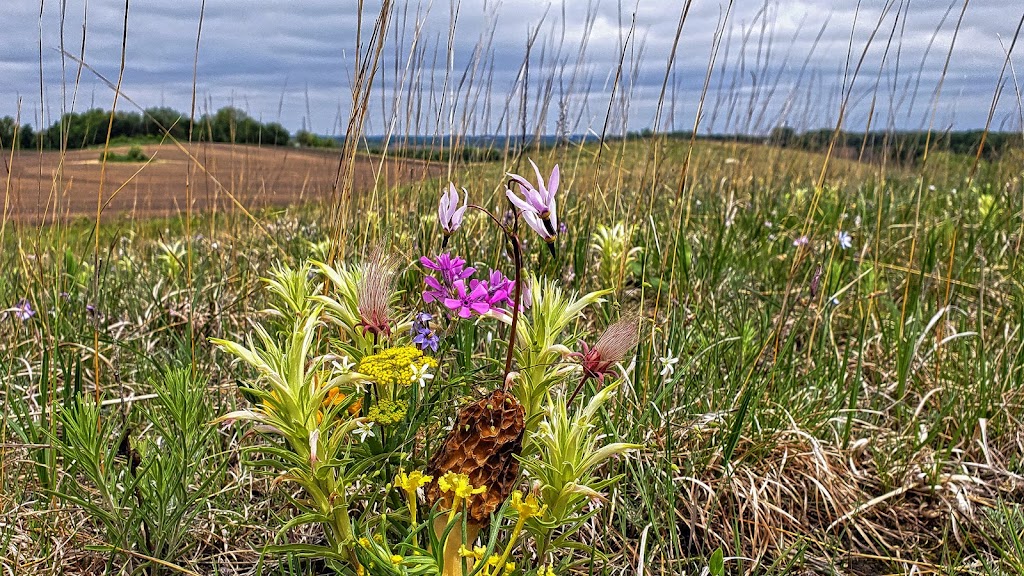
(345, 366)
(668, 365)
(801, 241)
(420, 374)
(363, 430)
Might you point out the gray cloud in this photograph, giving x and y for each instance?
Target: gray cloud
(292, 62)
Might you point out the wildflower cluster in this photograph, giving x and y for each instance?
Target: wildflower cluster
(395, 366)
(454, 287)
(346, 402)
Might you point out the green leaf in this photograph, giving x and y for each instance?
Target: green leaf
(716, 564)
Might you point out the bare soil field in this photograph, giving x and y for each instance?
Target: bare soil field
(41, 188)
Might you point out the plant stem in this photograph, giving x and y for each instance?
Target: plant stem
(511, 233)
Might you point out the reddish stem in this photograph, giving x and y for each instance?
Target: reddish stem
(517, 293)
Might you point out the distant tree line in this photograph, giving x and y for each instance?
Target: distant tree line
(904, 146)
(84, 129)
(900, 146)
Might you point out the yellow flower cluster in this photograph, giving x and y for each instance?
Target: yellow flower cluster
(459, 485)
(410, 483)
(527, 507)
(394, 366)
(494, 562)
(387, 412)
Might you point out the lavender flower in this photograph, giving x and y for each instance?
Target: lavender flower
(23, 310)
(448, 210)
(422, 336)
(801, 241)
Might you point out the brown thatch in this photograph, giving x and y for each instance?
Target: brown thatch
(483, 445)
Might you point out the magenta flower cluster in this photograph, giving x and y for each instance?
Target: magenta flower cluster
(452, 285)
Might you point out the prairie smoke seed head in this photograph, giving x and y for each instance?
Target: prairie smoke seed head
(610, 349)
(374, 294)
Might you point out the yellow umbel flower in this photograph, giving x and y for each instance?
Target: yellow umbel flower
(396, 559)
(528, 507)
(394, 366)
(388, 412)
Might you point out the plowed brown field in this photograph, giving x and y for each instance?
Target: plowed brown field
(222, 176)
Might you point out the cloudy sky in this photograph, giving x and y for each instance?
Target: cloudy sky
(572, 66)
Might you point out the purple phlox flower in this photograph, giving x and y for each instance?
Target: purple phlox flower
(448, 210)
(465, 301)
(450, 269)
(23, 310)
(537, 203)
(844, 239)
(434, 292)
(422, 335)
(500, 289)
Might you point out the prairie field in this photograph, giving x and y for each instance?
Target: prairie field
(607, 352)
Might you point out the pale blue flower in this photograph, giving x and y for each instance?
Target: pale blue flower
(844, 239)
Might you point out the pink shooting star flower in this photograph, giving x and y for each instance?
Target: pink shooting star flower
(538, 204)
(449, 212)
